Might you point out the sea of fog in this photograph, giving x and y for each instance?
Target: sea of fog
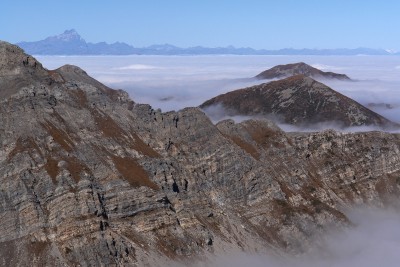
(175, 82)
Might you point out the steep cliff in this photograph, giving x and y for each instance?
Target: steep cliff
(89, 177)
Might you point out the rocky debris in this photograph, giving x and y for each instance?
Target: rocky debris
(87, 177)
(301, 68)
(297, 100)
(382, 106)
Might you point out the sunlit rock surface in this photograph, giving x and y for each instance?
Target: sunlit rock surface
(88, 177)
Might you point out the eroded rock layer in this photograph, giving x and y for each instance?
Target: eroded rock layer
(89, 177)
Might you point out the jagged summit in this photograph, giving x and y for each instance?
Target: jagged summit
(17, 70)
(13, 60)
(22, 75)
(71, 43)
(284, 71)
(298, 100)
(67, 36)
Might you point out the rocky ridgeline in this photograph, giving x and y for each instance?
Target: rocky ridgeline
(297, 100)
(89, 177)
(300, 68)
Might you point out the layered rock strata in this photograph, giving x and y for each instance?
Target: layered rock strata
(88, 177)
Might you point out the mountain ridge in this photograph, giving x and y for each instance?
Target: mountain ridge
(89, 177)
(71, 43)
(287, 70)
(297, 100)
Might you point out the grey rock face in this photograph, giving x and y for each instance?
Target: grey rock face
(88, 177)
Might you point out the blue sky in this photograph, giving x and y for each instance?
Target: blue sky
(243, 23)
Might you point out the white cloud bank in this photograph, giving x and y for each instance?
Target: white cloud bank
(175, 82)
(374, 240)
(137, 67)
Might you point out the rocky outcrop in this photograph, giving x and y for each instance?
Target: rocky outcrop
(297, 100)
(301, 68)
(88, 177)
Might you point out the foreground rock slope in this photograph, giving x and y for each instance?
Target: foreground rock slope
(297, 100)
(88, 177)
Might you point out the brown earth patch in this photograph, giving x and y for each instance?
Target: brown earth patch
(133, 172)
(76, 167)
(59, 136)
(143, 148)
(37, 248)
(264, 136)
(79, 96)
(52, 169)
(24, 145)
(249, 148)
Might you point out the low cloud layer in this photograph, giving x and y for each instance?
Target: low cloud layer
(175, 82)
(374, 240)
(218, 113)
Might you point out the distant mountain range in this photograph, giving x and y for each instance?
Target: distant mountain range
(71, 43)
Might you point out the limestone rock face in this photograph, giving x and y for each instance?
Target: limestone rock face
(297, 100)
(88, 177)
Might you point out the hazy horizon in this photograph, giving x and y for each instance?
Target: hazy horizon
(390, 51)
(257, 24)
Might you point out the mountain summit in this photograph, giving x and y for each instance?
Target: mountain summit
(71, 43)
(297, 100)
(67, 36)
(284, 71)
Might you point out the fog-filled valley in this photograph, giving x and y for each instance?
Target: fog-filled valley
(175, 82)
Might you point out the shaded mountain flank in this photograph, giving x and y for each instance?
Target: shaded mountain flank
(88, 177)
(297, 100)
(301, 68)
